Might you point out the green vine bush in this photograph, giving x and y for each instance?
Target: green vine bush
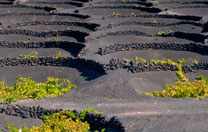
(64, 121)
(59, 122)
(185, 89)
(25, 88)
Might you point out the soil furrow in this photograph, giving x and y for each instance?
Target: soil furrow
(198, 48)
(90, 26)
(80, 36)
(141, 8)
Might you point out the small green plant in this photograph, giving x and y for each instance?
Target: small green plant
(124, 1)
(86, 111)
(25, 88)
(162, 34)
(139, 60)
(155, 2)
(59, 54)
(56, 39)
(116, 14)
(133, 14)
(195, 61)
(29, 56)
(179, 71)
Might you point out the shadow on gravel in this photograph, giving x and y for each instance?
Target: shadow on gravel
(99, 122)
(205, 27)
(190, 36)
(89, 69)
(6, 3)
(96, 121)
(71, 47)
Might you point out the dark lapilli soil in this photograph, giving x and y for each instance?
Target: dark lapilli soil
(95, 38)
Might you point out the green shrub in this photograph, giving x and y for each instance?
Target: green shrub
(84, 112)
(57, 122)
(25, 88)
(64, 121)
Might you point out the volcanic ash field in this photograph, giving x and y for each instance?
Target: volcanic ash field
(137, 62)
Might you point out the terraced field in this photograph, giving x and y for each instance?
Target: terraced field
(92, 44)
